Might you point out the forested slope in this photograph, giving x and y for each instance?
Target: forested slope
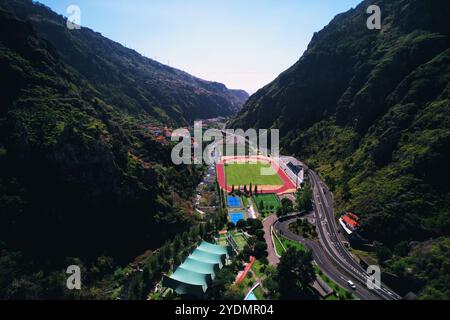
(369, 109)
(81, 181)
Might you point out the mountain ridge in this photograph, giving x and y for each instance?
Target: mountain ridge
(79, 172)
(125, 77)
(369, 110)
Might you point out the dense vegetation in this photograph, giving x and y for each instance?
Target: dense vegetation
(293, 276)
(170, 256)
(304, 197)
(124, 78)
(81, 181)
(369, 110)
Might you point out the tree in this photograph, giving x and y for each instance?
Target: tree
(209, 227)
(201, 230)
(346, 192)
(280, 212)
(242, 224)
(177, 243)
(234, 293)
(194, 233)
(260, 249)
(254, 225)
(295, 274)
(219, 221)
(304, 197)
(177, 260)
(185, 238)
(135, 291)
(384, 253)
(251, 188)
(252, 241)
(256, 189)
(245, 189)
(184, 254)
(147, 278)
(287, 205)
(271, 284)
(223, 280)
(168, 251)
(161, 257)
(265, 262)
(103, 266)
(247, 252)
(260, 234)
(231, 226)
(154, 264)
(402, 249)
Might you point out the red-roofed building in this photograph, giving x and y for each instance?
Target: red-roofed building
(349, 222)
(353, 216)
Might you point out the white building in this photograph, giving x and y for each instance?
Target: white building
(294, 169)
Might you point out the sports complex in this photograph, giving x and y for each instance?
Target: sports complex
(251, 189)
(260, 171)
(253, 185)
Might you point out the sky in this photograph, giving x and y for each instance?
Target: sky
(244, 44)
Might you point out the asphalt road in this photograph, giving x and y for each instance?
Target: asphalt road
(272, 257)
(324, 263)
(331, 255)
(329, 238)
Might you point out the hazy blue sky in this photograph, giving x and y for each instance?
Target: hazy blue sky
(244, 44)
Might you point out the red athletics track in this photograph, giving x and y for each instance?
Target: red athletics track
(288, 186)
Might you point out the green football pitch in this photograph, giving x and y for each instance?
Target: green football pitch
(241, 174)
(268, 201)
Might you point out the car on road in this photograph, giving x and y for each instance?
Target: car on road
(351, 284)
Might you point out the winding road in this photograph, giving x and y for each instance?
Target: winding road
(330, 253)
(323, 262)
(274, 260)
(329, 238)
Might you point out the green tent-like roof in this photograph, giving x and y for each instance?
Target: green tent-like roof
(207, 257)
(190, 277)
(195, 275)
(200, 267)
(212, 248)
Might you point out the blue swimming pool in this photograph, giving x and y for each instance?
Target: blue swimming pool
(234, 202)
(251, 297)
(235, 217)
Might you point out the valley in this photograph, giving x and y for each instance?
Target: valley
(357, 195)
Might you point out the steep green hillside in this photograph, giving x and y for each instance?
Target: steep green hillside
(370, 111)
(80, 180)
(124, 78)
